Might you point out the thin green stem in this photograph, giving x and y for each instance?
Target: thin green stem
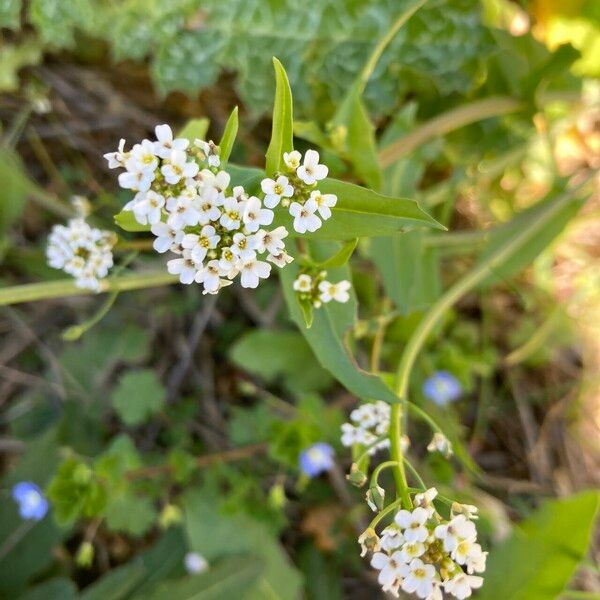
(386, 511)
(417, 410)
(415, 474)
(370, 447)
(397, 454)
(381, 467)
(66, 287)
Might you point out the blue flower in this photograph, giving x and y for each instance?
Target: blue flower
(442, 387)
(32, 503)
(316, 459)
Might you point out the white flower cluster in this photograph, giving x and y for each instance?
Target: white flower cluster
(81, 251)
(422, 553)
(369, 423)
(296, 190)
(181, 193)
(316, 290)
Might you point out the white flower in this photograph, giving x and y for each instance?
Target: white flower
(468, 510)
(183, 212)
(199, 245)
(138, 181)
(275, 190)
(209, 206)
(185, 266)
(304, 216)
(425, 500)
(350, 435)
(210, 276)
(210, 151)
(117, 159)
(231, 215)
(175, 168)
(391, 538)
(195, 563)
(311, 171)
(391, 569)
(166, 237)
(414, 550)
(419, 579)
(252, 270)
(271, 241)
(368, 541)
(166, 143)
(325, 202)
(144, 156)
(436, 593)
(413, 524)
(364, 415)
(334, 291)
(292, 159)
(461, 585)
(476, 559)
(148, 210)
(456, 530)
(464, 549)
(229, 262)
(220, 182)
(281, 259)
(440, 443)
(244, 246)
(254, 215)
(303, 283)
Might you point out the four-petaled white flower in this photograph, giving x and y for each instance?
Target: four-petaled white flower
(210, 276)
(334, 291)
(117, 159)
(183, 212)
(311, 171)
(138, 181)
(167, 237)
(275, 190)
(208, 206)
(391, 538)
(271, 241)
(292, 159)
(185, 266)
(413, 524)
(392, 569)
(231, 215)
(440, 443)
(304, 216)
(143, 156)
(325, 202)
(244, 246)
(252, 270)
(425, 500)
(419, 578)
(148, 210)
(254, 215)
(176, 167)
(456, 530)
(461, 585)
(166, 143)
(281, 259)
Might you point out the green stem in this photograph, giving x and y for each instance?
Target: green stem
(415, 474)
(368, 449)
(397, 455)
(417, 410)
(386, 511)
(384, 465)
(66, 287)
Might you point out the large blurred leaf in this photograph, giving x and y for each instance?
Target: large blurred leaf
(280, 355)
(539, 559)
(218, 536)
(138, 396)
(59, 588)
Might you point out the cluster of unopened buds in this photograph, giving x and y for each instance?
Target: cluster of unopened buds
(316, 290)
(423, 553)
(82, 251)
(217, 231)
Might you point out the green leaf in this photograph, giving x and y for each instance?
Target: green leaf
(341, 257)
(360, 212)
(326, 337)
(128, 513)
(194, 129)
(16, 56)
(138, 396)
(15, 186)
(280, 356)
(282, 133)
(126, 221)
(229, 135)
(10, 11)
(540, 558)
(228, 578)
(118, 583)
(248, 177)
(58, 588)
(211, 533)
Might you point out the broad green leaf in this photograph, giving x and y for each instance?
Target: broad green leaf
(126, 221)
(540, 558)
(128, 513)
(326, 337)
(194, 129)
(248, 177)
(282, 132)
(228, 578)
(118, 584)
(211, 533)
(15, 57)
(341, 257)
(59, 588)
(138, 396)
(360, 212)
(280, 356)
(229, 135)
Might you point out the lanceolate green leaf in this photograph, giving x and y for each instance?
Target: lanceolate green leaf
(194, 129)
(330, 325)
(127, 222)
(229, 135)
(539, 559)
(341, 257)
(282, 132)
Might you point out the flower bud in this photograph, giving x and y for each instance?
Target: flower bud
(356, 477)
(375, 497)
(170, 515)
(85, 555)
(369, 541)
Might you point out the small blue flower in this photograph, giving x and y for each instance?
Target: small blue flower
(32, 503)
(442, 388)
(316, 459)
